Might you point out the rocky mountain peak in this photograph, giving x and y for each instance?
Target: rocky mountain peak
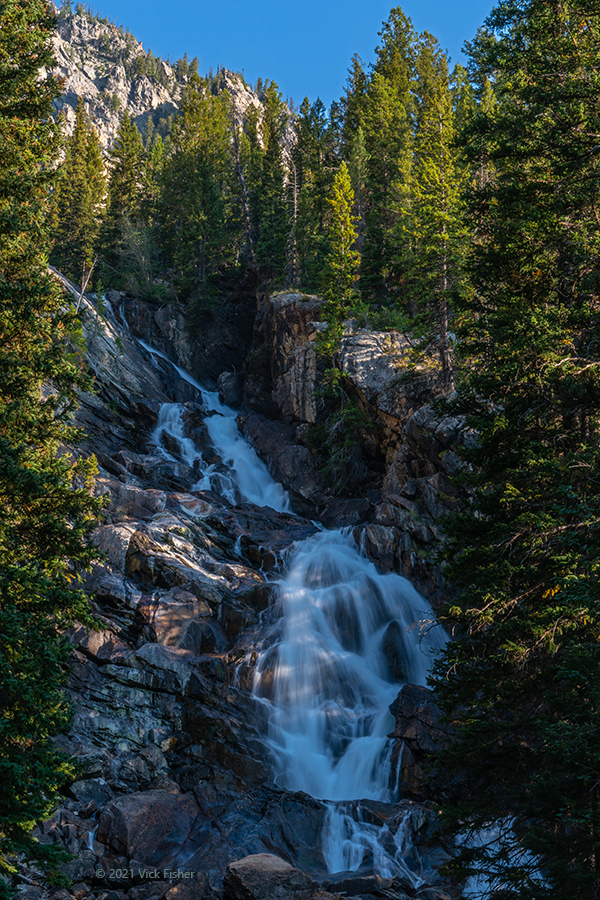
(111, 71)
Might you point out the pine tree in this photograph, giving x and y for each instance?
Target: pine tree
(199, 232)
(341, 263)
(271, 210)
(78, 200)
(126, 190)
(387, 126)
(522, 684)
(435, 207)
(46, 503)
(314, 161)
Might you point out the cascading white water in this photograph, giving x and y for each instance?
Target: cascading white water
(327, 682)
(326, 679)
(248, 478)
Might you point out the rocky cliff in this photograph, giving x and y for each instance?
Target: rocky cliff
(175, 797)
(399, 526)
(112, 72)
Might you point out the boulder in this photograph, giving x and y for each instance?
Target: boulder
(197, 888)
(229, 385)
(288, 462)
(151, 827)
(264, 876)
(346, 513)
(419, 732)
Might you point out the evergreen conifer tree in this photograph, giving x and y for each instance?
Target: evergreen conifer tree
(199, 232)
(271, 208)
(314, 159)
(387, 126)
(434, 216)
(521, 686)
(78, 200)
(127, 186)
(341, 263)
(45, 499)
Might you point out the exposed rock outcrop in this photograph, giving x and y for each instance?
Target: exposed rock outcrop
(112, 73)
(281, 372)
(216, 344)
(420, 733)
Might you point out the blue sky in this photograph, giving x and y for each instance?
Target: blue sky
(306, 47)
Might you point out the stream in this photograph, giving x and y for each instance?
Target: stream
(322, 676)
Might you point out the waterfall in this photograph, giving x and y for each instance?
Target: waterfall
(246, 477)
(329, 669)
(327, 679)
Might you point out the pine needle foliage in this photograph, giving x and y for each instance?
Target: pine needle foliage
(341, 263)
(521, 685)
(78, 200)
(47, 510)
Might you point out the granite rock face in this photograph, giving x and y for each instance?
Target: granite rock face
(281, 371)
(113, 73)
(420, 733)
(174, 772)
(218, 343)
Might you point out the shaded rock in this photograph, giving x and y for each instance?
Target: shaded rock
(229, 385)
(264, 876)
(222, 333)
(94, 790)
(353, 884)
(345, 513)
(419, 733)
(197, 888)
(393, 644)
(380, 544)
(281, 370)
(290, 464)
(80, 869)
(151, 826)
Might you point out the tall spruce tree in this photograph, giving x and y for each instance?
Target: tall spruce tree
(127, 240)
(314, 161)
(270, 202)
(78, 200)
(433, 217)
(46, 503)
(521, 686)
(387, 125)
(199, 233)
(341, 264)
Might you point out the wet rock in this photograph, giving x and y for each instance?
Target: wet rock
(290, 464)
(229, 385)
(420, 732)
(220, 340)
(380, 544)
(152, 826)
(393, 645)
(264, 876)
(345, 513)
